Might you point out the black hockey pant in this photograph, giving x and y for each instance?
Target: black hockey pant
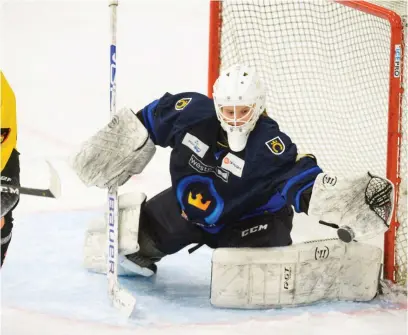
(162, 223)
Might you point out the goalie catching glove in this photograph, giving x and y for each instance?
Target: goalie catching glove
(360, 207)
(115, 153)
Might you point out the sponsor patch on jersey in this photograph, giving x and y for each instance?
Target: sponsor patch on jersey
(276, 145)
(182, 103)
(200, 148)
(233, 164)
(200, 167)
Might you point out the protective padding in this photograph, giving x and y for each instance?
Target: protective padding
(95, 246)
(363, 204)
(116, 152)
(324, 270)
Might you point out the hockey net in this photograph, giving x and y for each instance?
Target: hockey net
(333, 73)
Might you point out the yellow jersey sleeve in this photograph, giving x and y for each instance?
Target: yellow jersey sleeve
(8, 121)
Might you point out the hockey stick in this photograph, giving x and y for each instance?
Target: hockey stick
(121, 298)
(53, 191)
(38, 192)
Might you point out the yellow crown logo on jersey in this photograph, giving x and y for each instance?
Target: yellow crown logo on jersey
(8, 121)
(197, 201)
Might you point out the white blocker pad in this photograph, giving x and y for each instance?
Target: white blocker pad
(116, 152)
(300, 274)
(96, 246)
(362, 205)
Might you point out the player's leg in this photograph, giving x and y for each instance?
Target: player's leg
(148, 231)
(162, 231)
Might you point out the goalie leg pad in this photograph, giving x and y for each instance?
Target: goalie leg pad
(95, 246)
(115, 153)
(295, 275)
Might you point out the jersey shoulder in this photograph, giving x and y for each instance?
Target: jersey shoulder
(192, 105)
(268, 140)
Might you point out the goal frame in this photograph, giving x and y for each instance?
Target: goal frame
(394, 103)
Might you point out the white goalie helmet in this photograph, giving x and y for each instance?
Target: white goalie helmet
(237, 87)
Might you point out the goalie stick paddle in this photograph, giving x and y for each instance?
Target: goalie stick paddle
(121, 298)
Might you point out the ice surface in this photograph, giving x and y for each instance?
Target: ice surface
(43, 280)
(55, 55)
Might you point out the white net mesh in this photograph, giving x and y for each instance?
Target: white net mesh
(326, 69)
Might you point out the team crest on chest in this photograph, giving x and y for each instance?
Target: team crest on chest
(182, 103)
(198, 202)
(276, 145)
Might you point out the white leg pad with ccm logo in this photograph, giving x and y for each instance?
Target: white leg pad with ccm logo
(325, 270)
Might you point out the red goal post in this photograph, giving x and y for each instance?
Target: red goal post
(254, 32)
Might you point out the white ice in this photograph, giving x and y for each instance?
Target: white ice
(55, 55)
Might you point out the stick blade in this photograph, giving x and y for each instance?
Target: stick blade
(37, 192)
(55, 182)
(53, 190)
(123, 300)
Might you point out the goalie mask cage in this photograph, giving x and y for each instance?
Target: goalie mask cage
(334, 77)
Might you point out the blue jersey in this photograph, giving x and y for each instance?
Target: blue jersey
(214, 185)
